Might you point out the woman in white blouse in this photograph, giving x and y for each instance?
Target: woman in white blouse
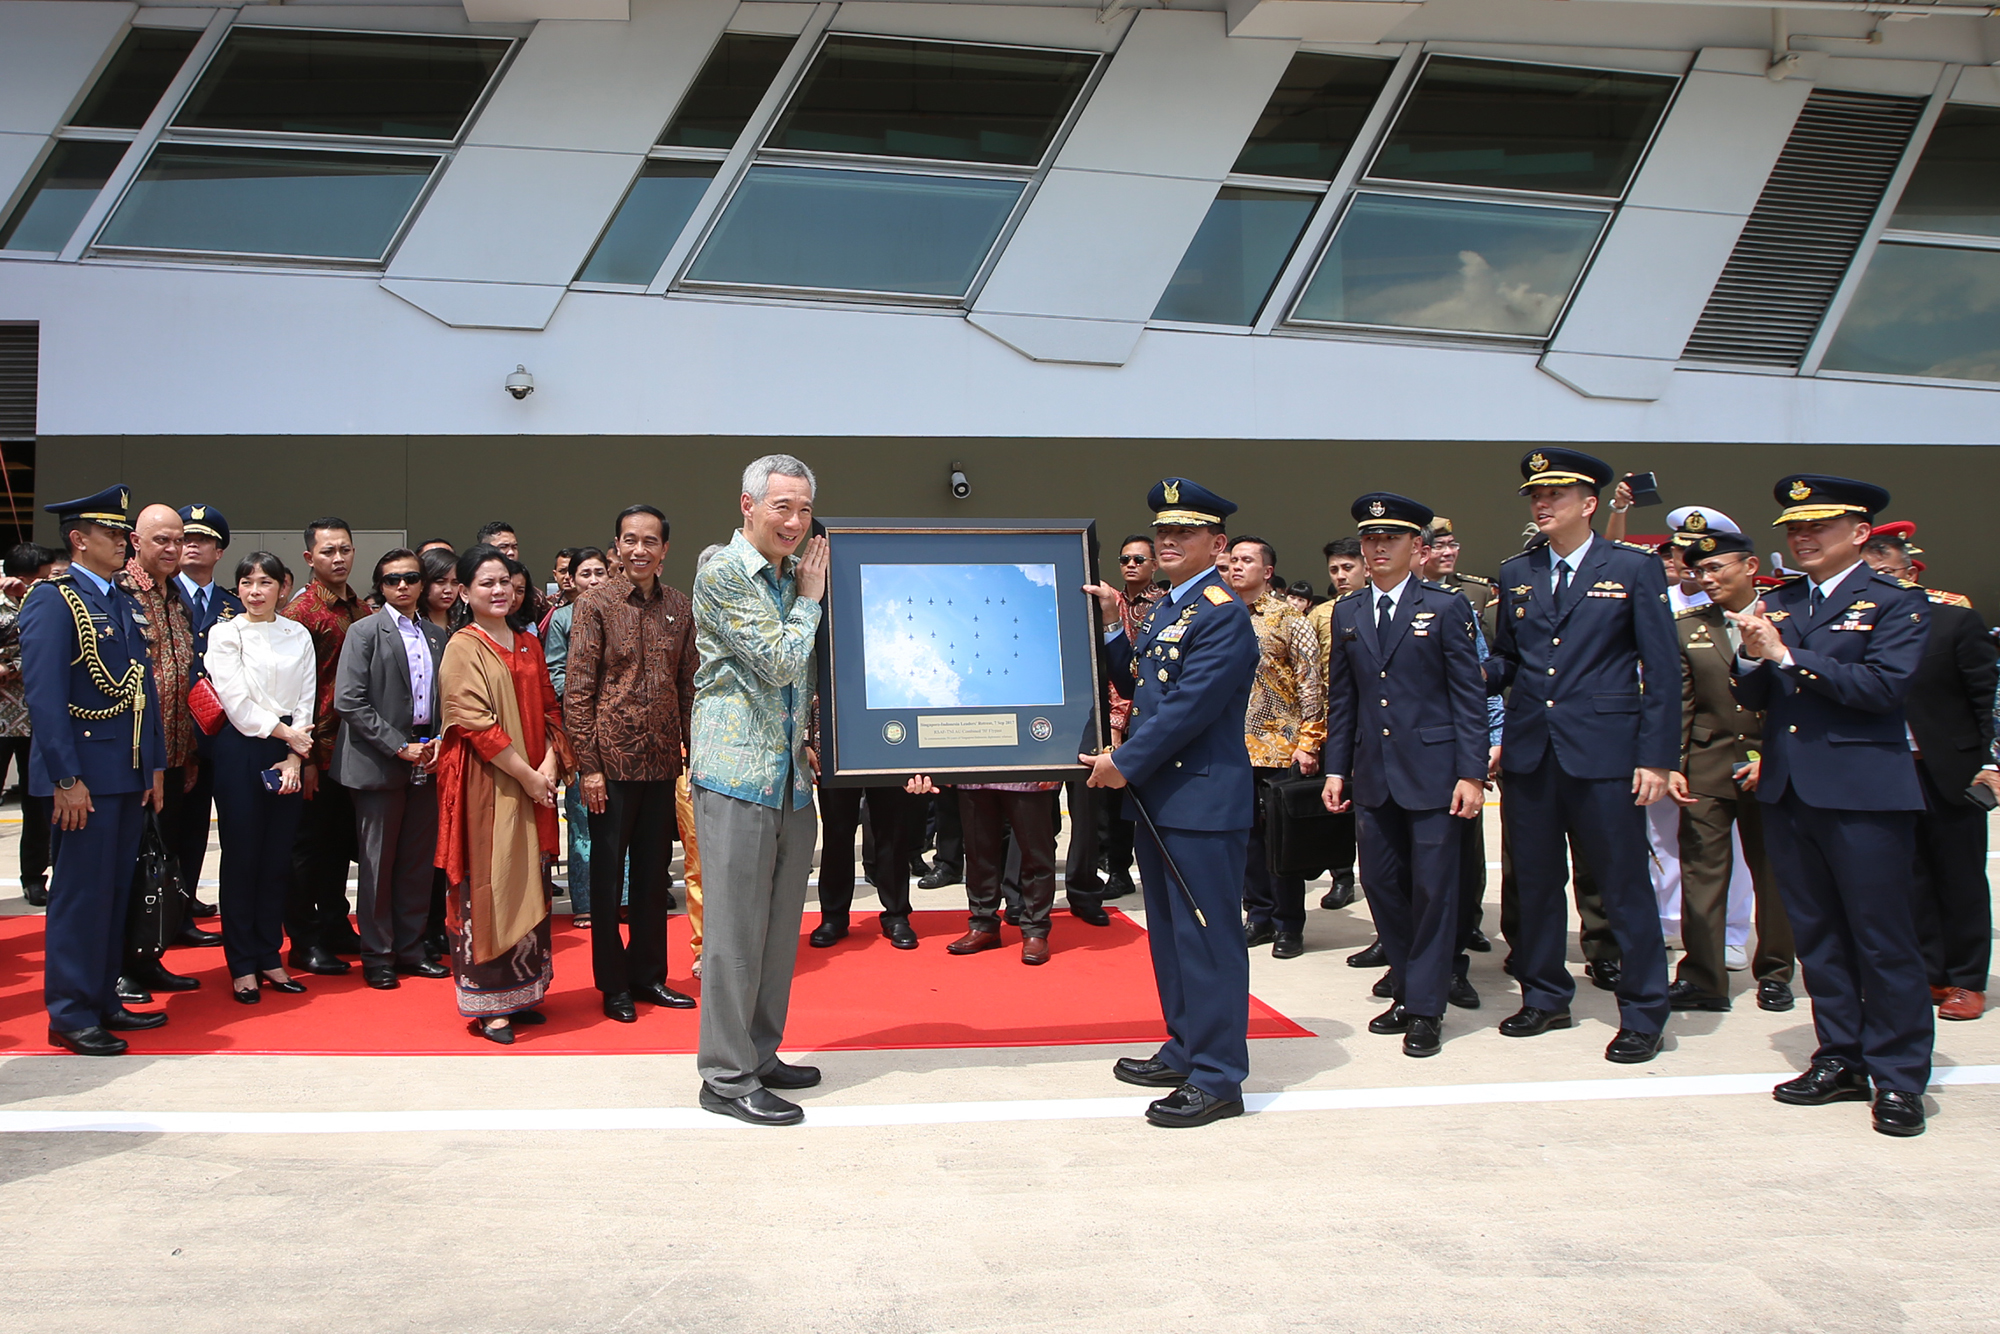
(262, 667)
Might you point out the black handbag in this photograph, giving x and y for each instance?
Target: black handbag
(159, 904)
(1300, 834)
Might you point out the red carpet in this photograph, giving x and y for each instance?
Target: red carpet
(859, 995)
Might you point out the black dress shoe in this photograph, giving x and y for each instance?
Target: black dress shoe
(826, 935)
(424, 969)
(1479, 944)
(1372, 957)
(1117, 884)
(938, 879)
(1342, 893)
(1147, 1074)
(1287, 945)
(659, 993)
(195, 938)
(155, 976)
(1603, 974)
(1091, 914)
(1188, 1106)
(1385, 985)
(290, 986)
(504, 1035)
(36, 892)
(1632, 1047)
(618, 1005)
(1395, 1019)
(1423, 1038)
(348, 942)
(92, 1041)
(247, 995)
(318, 959)
(783, 1076)
(380, 978)
(199, 909)
(1898, 1113)
(1688, 996)
(127, 988)
(1258, 933)
(1774, 995)
(1462, 993)
(528, 1017)
(436, 947)
(898, 931)
(1529, 1022)
(132, 1021)
(759, 1107)
(1825, 1082)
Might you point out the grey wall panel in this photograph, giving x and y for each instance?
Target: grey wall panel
(604, 86)
(1102, 238)
(1647, 286)
(515, 215)
(480, 305)
(48, 51)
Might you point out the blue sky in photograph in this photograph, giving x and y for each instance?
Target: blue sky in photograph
(961, 636)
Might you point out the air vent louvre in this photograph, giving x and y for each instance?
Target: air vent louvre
(20, 348)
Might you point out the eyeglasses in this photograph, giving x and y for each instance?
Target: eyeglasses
(1133, 560)
(402, 579)
(1717, 567)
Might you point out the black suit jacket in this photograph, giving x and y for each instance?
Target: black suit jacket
(1950, 704)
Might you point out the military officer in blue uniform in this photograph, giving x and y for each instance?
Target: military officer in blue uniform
(97, 753)
(1829, 657)
(1188, 675)
(1406, 738)
(1585, 639)
(208, 602)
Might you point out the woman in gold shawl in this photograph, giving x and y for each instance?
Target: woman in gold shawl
(503, 748)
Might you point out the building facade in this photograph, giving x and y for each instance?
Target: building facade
(284, 258)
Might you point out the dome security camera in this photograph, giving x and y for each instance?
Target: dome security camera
(960, 487)
(520, 384)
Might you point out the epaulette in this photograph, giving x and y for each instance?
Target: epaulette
(1942, 598)
(1632, 546)
(1693, 611)
(1217, 595)
(1435, 586)
(1473, 579)
(1350, 593)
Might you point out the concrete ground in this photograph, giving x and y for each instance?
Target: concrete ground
(1540, 1205)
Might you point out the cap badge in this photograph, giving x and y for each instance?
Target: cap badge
(1696, 522)
(1172, 493)
(1800, 491)
(1706, 544)
(124, 499)
(198, 512)
(1538, 462)
(1377, 508)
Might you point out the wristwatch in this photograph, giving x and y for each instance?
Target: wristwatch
(70, 782)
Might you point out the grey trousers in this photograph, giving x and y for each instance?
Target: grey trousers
(755, 861)
(397, 830)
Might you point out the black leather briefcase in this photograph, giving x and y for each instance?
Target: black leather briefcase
(1300, 834)
(159, 904)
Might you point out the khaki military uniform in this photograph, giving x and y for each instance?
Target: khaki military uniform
(1717, 735)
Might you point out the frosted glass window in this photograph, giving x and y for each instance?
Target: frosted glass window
(857, 231)
(1451, 265)
(1924, 310)
(61, 193)
(648, 223)
(1236, 256)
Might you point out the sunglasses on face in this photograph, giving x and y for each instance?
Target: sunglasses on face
(1133, 560)
(389, 579)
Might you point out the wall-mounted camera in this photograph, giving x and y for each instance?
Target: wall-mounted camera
(961, 487)
(520, 384)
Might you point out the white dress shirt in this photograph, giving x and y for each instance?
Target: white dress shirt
(264, 672)
(1395, 596)
(1574, 560)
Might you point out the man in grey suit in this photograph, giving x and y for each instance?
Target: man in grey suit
(386, 694)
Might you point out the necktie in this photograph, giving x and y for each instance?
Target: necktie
(1563, 572)
(1817, 598)
(1384, 609)
(201, 604)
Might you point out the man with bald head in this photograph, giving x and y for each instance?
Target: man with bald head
(157, 538)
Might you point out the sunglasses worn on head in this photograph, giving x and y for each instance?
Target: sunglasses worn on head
(402, 578)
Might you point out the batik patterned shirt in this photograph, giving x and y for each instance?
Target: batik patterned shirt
(1288, 701)
(327, 619)
(754, 688)
(170, 644)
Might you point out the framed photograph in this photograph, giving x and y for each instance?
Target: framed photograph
(966, 651)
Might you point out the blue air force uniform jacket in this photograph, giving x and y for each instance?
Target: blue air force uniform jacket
(1188, 677)
(64, 676)
(1833, 720)
(1575, 664)
(223, 605)
(1406, 714)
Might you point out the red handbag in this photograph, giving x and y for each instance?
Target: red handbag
(206, 706)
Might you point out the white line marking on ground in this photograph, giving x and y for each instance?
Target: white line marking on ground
(910, 1114)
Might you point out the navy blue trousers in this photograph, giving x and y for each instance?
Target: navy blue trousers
(1541, 808)
(1845, 880)
(258, 830)
(88, 890)
(1410, 869)
(1203, 972)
